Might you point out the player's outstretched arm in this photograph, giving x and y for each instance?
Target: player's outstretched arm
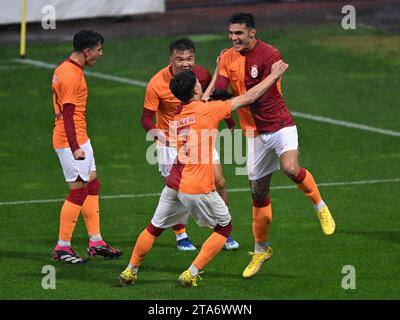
(210, 88)
(251, 96)
(207, 93)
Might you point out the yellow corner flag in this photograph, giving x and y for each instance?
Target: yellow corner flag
(22, 49)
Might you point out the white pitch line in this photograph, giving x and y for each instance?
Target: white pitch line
(144, 84)
(156, 194)
(99, 75)
(346, 124)
(36, 63)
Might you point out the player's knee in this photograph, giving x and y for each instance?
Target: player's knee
(153, 230)
(224, 231)
(291, 170)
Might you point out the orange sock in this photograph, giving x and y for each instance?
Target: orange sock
(68, 218)
(262, 218)
(310, 189)
(90, 211)
(210, 248)
(179, 229)
(143, 245)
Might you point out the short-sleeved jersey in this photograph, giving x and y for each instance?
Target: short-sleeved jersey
(69, 87)
(245, 70)
(160, 99)
(195, 127)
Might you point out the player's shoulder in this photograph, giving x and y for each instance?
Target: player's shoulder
(200, 71)
(66, 71)
(160, 77)
(230, 53)
(229, 57)
(267, 48)
(217, 103)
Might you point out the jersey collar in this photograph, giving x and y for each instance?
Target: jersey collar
(245, 53)
(74, 63)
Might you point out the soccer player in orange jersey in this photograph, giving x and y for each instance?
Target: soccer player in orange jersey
(161, 103)
(191, 186)
(274, 143)
(72, 144)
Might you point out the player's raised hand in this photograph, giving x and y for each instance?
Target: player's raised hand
(79, 154)
(279, 67)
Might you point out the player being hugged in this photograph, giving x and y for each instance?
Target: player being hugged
(190, 185)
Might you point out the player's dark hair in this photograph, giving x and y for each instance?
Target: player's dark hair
(243, 18)
(220, 94)
(182, 44)
(182, 85)
(87, 39)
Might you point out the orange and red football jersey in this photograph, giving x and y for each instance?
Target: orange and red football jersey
(69, 87)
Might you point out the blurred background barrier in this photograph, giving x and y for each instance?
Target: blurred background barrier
(10, 10)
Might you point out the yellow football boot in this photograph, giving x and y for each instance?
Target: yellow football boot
(327, 223)
(257, 260)
(127, 277)
(187, 280)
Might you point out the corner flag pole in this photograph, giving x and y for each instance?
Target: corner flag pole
(22, 49)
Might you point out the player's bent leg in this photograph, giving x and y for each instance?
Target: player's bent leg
(183, 243)
(219, 180)
(289, 162)
(143, 245)
(166, 157)
(306, 183)
(210, 248)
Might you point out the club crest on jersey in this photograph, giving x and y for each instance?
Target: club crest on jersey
(254, 71)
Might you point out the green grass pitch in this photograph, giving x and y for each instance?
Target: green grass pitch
(346, 75)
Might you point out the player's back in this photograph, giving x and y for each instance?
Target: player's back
(195, 127)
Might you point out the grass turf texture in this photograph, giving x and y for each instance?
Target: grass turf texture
(346, 75)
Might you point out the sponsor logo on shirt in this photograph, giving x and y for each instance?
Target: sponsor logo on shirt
(185, 121)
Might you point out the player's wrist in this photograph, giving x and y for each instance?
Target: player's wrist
(275, 75)
(75, 148)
